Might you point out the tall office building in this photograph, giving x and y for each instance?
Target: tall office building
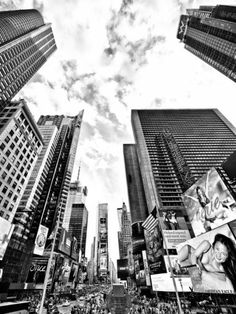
(20, 146)
(137, 200)
(176, 147)
(21, 245)
(125, 233)
(56, 189)
(102, 242)
(26, 42)
(210, 34)
(76, 215)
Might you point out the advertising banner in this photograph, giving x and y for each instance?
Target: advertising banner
(163, 282)
(6, 229)
(103, 262)
(211, 261)
(37, 270)
(155, 251)
(66, 268)
(146, 268)
(208, 203)
(182, 26)
(40, 240)
(122, 268)
(65, 242)
(174, 228)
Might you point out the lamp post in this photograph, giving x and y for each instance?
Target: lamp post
(49, 262)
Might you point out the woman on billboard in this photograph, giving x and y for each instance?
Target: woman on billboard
(216, 263)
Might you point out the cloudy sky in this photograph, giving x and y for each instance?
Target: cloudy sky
(114, 56)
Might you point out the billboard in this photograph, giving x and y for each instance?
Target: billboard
(38, 269)
(65, 242)
(122, 268)
(208, 203)
(211, 261)
(155, 250)
(40, 240)
(164, 282)
(174, 228)
(6, 229)
(182, 27)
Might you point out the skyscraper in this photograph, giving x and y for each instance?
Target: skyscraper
(26, 42)
(55, 192)
(176, 147)
(210, 34)
(102, 242)
(124, 235)
(76, 215)
(20, 145)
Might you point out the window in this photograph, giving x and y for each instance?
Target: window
(5, 204)
(2, 146)
(7, 139)
(8, 153)
(10, 194)
(3, 160)
(8, 166)
(4, 174)
(4, 190)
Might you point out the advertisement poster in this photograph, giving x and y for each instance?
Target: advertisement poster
(37, 270)
(40, 240)
(154, 251)
(163, 282)
(123, 268)
(146, 268)
(6, 229)
(211, 261)
(208, 203)
(177, 270)
(174, 228)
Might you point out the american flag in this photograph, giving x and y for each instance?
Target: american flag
(151, 221)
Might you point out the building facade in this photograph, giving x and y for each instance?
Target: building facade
(210, 34)
(76, 215)
(102, 243)
(125, 233)
(177, 144)
(174, 149)
(26, 42)
(20, 146)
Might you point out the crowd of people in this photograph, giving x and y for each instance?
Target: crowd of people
(93, 300)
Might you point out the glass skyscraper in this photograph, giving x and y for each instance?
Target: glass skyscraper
(26, 42)
(210, 33)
